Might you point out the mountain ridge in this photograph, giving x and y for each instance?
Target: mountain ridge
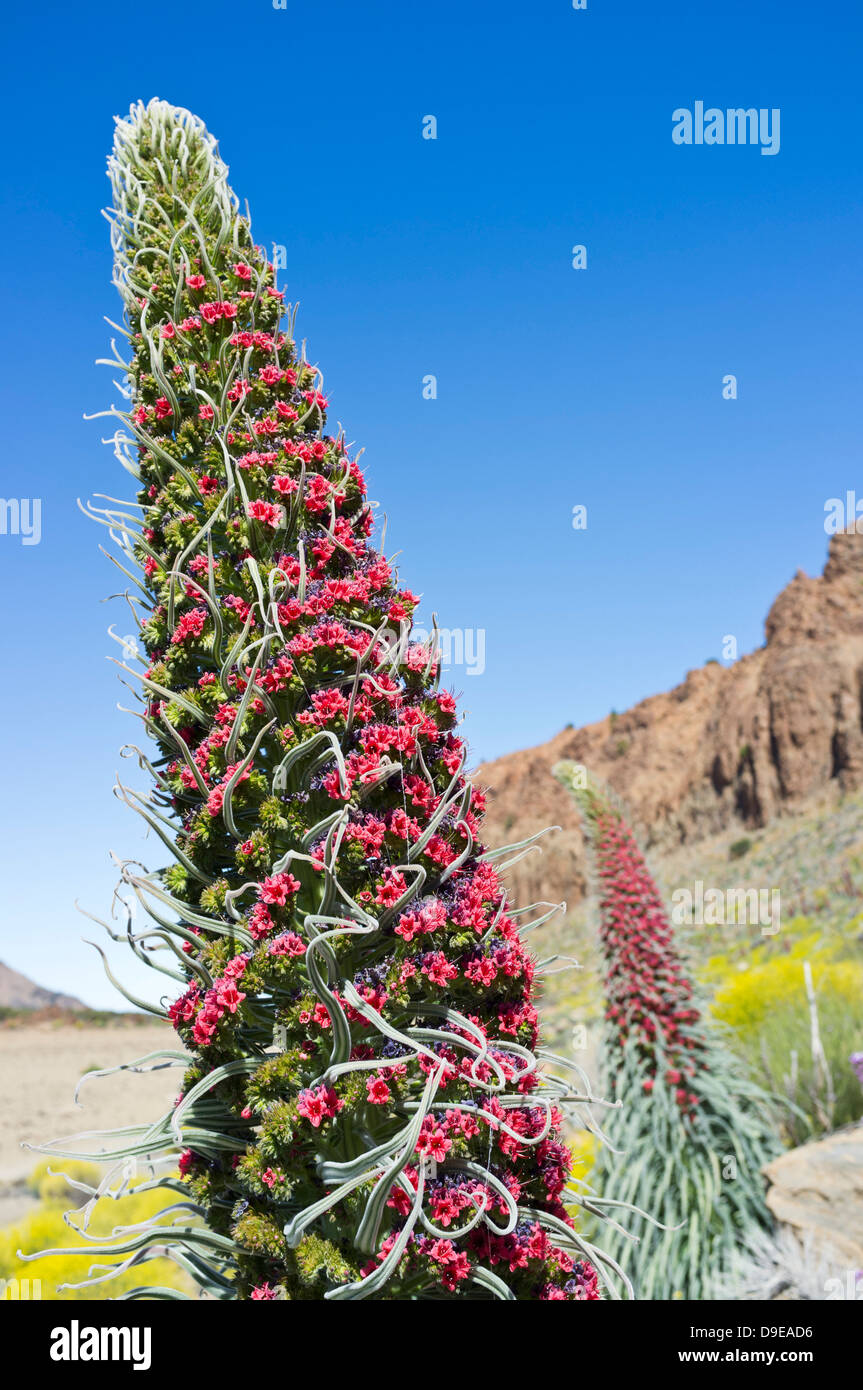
(19, 992)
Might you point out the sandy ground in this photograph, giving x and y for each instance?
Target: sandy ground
(39, 1067)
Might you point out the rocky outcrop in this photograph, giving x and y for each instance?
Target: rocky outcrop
(817, 1192)
(731, 746)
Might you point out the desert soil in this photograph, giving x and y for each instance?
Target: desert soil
(40, 1065)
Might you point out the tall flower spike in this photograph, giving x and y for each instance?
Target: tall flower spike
(366, 1113)
(693, 1131)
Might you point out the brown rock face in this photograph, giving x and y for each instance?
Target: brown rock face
(733, 745)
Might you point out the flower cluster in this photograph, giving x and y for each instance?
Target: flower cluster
(367, 1114)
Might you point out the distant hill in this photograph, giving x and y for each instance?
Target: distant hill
(17, 992)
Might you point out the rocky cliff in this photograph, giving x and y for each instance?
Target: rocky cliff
(731, 746)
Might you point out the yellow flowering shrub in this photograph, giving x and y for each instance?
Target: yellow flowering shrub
(582, 1146)
(766, 1011)
(749, 999)
(44, 1229)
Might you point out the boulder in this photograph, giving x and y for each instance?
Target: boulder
(817, 1191)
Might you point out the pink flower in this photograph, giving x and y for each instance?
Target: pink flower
(378, 1090)
(183, 1009)
(287, 944)
(205, 1028)
(278, 888)
(228, 996)
(266, 512)
(444, 1210)
(392, 888)
(433, 1140)
(455, 1270)
(482, 971)
(317, 493)
(260, 921)
(318, 1105)
(438, 968)
(191, 624)
(327, 704)
(442, 1251)
(410, 924)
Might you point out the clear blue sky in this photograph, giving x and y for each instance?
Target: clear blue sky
(451, 257)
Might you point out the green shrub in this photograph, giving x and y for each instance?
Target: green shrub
(739, 848)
